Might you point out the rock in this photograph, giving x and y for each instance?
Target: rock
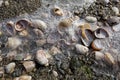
(54, 50)
(91, 19)
(29, 65)
(116, 27)
(42, 58)
(28, 57)
(25, 77)
(115, 10)
(1, 71)
(14, 42)
(10, 67)
(113, 20)
(1, 2)
(19, 57)
(81, 49)
(11, 54)
(55, 73)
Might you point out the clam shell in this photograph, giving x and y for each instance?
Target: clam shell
(109, 58)
(96, 45)
(22, 24)
(36, 23)
(10, 28)
(29, 65)
(81, 49)
(58, 11)
(10, 67)
(101, 33)
(42, 58)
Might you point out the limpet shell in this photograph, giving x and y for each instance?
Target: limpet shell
(109, 58)
(22, 24)
(57, 11)
(101, 33)
(10, 28)
(81, 49)
(42, 58)
(96, 45)
(29, 65)
(36, 23)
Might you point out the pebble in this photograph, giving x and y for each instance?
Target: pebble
(1, 2)
(81, 49)
(42, 58)
(1, 71)
(10, 67)
(91, 19)
(7, 3)
(54, 50)
(115, 10)
(1, 58)
(99, 55)
(29, 65)
(55, 73)
(25, 77)
(116, 27)
(14, 42)
(19, 57)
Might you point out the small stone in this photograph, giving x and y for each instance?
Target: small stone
(14, 42)
(81, 49)
(7, 3)
(54, 50)
(1, 71)
(116, 27)
(28, 57)
(109, 58)
(42, 58)
(91, 19)
(10, 67)
(1, 58)
(1, 2)
(25, 77)
(19, 56)
(29, 65)
(99, 55)
(55, 73)
(40, 42)
(115, 10)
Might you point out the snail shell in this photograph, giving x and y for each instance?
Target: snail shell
(96, 45)
(101, 33)
(57, 11)
(22, 24)
(81, 49)
(36, 23)
(10, 28)
(29, 65)
(109, 58)
(42, 58)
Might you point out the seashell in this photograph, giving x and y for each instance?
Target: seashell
(91, 19)
(22, 24)
(116, 27)
(25, 77)
(41, 58)
(38, 32)
(23, 33)
(101, 33)
(36, 23)
(29, 65)
(54, 50)
(99, 55)
(10, 67)
(81, 49)
(10, 28)
(13, 42)
(109, 58)
(96, 45)
(57, 11)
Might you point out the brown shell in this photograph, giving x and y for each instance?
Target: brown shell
(22, 24)
(96, 45)
(101, 33)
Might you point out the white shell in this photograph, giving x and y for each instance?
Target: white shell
(55, 73)
(81, 49)
(42, 58)
(14, 42)
(10, 67)
(39, 24)
(91, 19)
(115, 10)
